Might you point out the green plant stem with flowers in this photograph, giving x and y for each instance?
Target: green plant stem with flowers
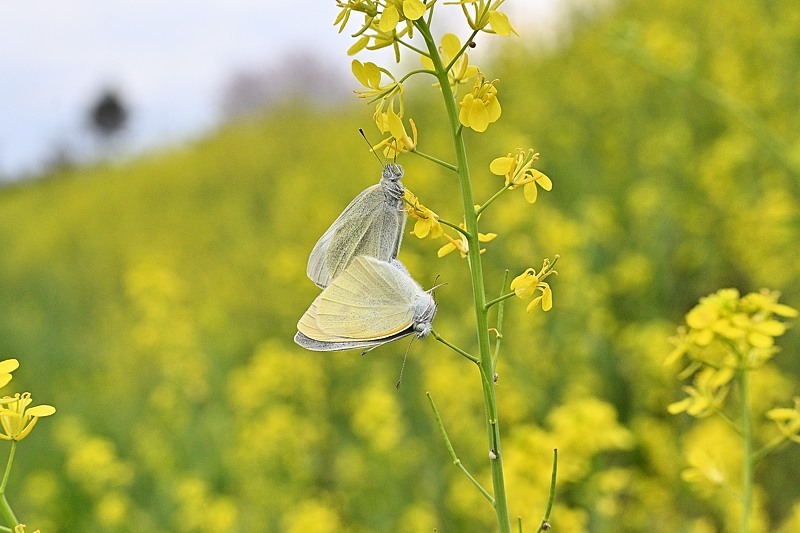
(726, 339)
(393, 23)
(17, 419)
(476, 273)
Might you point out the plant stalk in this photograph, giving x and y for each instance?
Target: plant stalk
(747, 449)
(478, 289)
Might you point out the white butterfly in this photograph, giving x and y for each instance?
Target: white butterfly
(371, 225)
(371, 303)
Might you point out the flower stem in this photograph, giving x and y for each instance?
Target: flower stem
(499, 324)
(552, 497)
(445, 164)
(747, 450)
(497, 300)
(456, 460)
(5, 507)
(455, 348)
(478, 289)
(494, 197)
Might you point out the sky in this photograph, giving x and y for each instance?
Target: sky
(169, 60)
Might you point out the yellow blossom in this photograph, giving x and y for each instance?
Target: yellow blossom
(480, 106)
(485, 13)
(724, 329)
(6, 368)
(525, 284)
(462, 244)
(787, 420)
(518, 171)
(461, 71)
(530, 282)
(427, 224)
(399, 141)
(707, 395)
(17, 419)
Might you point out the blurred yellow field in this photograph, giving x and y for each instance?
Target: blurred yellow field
(153, 302)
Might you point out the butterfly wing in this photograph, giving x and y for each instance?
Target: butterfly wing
(311, 336)
(368, 226)
(371, 299)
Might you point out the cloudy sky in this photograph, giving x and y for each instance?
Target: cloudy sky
(170, 60)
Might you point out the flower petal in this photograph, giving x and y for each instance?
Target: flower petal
(413, 9)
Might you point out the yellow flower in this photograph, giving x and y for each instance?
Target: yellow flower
(461, 71)
(427, 223)
(397, 10)
(517, 170)
(707, 395)
(525, 284)
(787, 420)
(530, 282)
(726, 330)
(17, 420)
(485, 14)
(6, 368)
(398, 142)
(480, 106)
(462, 244)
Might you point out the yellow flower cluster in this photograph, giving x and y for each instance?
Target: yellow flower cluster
(724, 333)
(380, 22)
(428, 225)
(387, 119)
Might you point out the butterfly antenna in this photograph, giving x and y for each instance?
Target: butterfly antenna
(403, 366)
(371, 148)
(432, 290)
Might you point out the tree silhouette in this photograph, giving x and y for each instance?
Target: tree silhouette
(108, 115)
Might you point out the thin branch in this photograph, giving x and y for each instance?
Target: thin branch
(497, 300)
(456, 460)
(455, 348)
(445, 164)
(546, 520)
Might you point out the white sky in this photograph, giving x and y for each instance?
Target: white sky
(169, 59)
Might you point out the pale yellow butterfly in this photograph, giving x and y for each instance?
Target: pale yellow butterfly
(371, 303)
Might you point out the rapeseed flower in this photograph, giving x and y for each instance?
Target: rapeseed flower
(480, 106)
(461, 71)
(530, 282)
(485, 15)
(427, 224)
(17, 419)
(518, 172)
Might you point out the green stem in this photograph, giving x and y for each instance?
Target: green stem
(5, 507)
(478, 290)
(768, 448)
(499, 325)
(552, 497)
(455, 348)
(439, 162)
(494, 197)
(412, 47)
(747, 451)
(456, 460)
(497, 300)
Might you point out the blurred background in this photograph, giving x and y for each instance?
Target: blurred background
(167, 169)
